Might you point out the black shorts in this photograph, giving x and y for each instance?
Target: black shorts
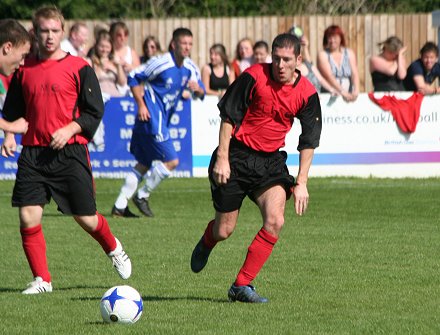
(251, 171)
(63, 174)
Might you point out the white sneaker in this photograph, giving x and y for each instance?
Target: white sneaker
(38, 286)
(120, 261)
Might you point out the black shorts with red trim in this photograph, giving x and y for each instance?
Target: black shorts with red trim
(251, 171)
(64, 175)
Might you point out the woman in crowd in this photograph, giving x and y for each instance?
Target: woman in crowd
(244, 56)
(150, 48)
(128, 56)
(107, 66)
(388, 69)
(216, 75)
(306, 66)
(337, 64)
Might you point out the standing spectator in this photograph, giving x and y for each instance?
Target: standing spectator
(244, 56)
(217, 75)
(60, 97)
(257, 112)
(15, 43)
(423, 72)
(306, 66)
(76, 43)
(157, 87)
(261, 52)
(128, 56)
(107, 66)
(337, 64)
(150, 48)
(388, 69)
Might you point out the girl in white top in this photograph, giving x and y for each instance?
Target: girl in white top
(128, 56)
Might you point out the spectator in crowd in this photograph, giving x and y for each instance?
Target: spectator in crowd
(167, 76)
(261, 52)
(60, 97)
(76, 43)
(150, 48)
(217, 75)
(107, 66)
(306, 66)
(244, 56)
(128, 56)
(423, 72)
(388, 69)
(337, 64)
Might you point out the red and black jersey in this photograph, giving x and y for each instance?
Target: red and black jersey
(50, 94)
(262, 110)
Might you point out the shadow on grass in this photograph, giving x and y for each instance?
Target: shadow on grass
(12, 290)
(157, 298)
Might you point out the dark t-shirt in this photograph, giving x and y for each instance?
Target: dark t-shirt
(416, 68)
(262, 110)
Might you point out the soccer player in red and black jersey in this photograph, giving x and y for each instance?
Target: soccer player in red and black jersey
(59, 95)
(257, 112)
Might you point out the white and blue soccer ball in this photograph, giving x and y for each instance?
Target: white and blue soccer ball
(121, 304)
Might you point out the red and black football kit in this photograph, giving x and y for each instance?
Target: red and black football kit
(262, 112)
(50, 94)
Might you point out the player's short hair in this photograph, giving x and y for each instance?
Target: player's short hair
(429, 47)
(287, 40)
(12, 31)
(181, 32)
(47, 12)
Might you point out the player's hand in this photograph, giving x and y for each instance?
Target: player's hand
(9, 145)
(143, 113)
(18, 126)
(301, 198)
(221, 172)
(60, 138)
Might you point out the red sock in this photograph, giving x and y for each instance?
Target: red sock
(103, 235)
(208, 237)
(258, 253)
(34, 247)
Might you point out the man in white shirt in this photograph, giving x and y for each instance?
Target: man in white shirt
(78, 37)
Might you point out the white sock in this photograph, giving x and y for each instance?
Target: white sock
(127, 190)
(158, 173)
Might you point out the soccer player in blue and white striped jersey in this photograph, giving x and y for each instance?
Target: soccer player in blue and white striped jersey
(157, 87)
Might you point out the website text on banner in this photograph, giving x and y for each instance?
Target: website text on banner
(358, 139)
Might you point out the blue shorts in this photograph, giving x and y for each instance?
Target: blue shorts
(146, 149)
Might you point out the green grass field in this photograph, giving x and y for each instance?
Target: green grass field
(365, 259)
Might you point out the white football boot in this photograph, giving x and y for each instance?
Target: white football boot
(120, 261)
(38, 286)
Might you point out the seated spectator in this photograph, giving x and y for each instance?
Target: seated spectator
(423, 72)
(306, 66)
(337, 64)
(388, 69)
(75, 44)
(216, 75)
(150, 48)
(128, 56)
(107, 66)
(244, 56)
(261, 52)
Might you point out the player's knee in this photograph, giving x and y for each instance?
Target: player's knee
(171, 165)
(274, 224)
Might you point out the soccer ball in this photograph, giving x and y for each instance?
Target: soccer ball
(121, 304)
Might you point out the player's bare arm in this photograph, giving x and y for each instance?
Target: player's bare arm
(300, 192)
(9, 145)
(138, 95)
(196, 89)
(222, 169)
(18, 126)
(61, 136)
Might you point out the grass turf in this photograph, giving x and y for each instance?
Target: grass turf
(363, 260)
